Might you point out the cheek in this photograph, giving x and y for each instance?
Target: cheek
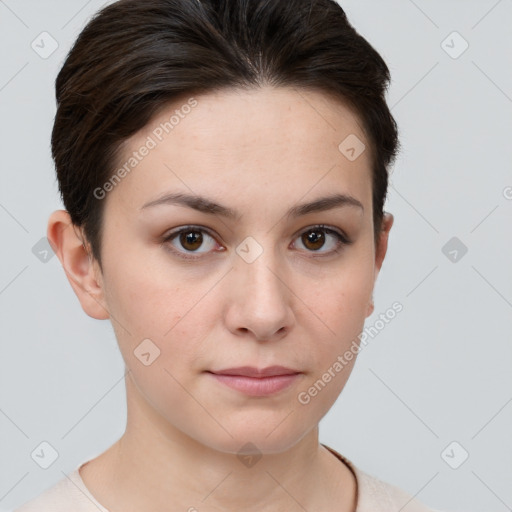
(343, 309)
(343, 302)
(165, 309)
(141, 290)
(145, 306)
(342, 306)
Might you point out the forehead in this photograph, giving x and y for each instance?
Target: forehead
(236, 140)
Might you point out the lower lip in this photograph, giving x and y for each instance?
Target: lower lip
(253, 386)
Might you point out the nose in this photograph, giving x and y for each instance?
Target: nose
(260, 298)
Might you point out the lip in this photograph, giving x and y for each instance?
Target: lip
(257, 382)
(251, 371)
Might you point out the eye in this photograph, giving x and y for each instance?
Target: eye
(186, 241)
(317, 237)
(190, 238)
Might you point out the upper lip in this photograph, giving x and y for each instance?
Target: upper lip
(251, 371)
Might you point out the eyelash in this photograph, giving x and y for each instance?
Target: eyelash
(341, 241)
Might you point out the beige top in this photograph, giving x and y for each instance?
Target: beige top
(373, 495)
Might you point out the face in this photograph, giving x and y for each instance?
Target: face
(255, 281)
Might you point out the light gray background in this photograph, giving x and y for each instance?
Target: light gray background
(439, 372)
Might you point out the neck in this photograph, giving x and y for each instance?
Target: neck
(155, 466)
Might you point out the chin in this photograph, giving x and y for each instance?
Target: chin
(255, 439)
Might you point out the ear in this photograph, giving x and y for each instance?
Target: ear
(81, 269)
(380, 250)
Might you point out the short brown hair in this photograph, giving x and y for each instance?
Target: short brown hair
(135, 56)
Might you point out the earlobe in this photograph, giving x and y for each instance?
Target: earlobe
(370, 309)
(81, 269)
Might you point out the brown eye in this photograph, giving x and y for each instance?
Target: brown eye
(191, 240)
(313, 239)
(187, 242)
(318, 237)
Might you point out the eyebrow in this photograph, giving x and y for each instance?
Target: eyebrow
(205, 205)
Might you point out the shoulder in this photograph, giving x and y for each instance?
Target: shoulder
(67, 494)
(375, 495)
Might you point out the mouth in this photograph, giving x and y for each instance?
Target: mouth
(253, 381)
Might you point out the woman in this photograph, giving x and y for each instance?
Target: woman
(224, 166)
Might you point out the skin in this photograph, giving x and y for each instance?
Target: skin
(290, 306)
